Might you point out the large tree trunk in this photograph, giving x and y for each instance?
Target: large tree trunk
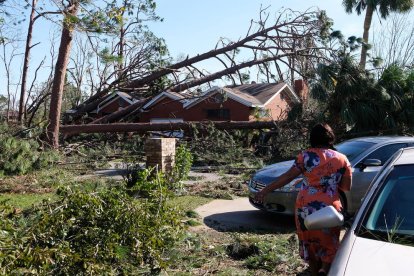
(22, 112)
(60, 74)
(367, 26)
(145, 127)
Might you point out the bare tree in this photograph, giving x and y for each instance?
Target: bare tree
(34, 15)
(8, 54)
(393, 42)
(39, 94)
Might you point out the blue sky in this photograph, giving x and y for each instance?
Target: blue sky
(194, 26)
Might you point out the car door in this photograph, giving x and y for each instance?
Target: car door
(362, 176)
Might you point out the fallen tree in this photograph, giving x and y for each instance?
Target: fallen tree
(292, 45)
(70, 130)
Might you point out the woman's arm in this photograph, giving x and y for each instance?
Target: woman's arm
(346, 182)
(284, 179)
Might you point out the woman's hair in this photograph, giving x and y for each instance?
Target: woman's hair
(322, 135)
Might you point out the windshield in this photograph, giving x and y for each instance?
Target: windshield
(353, 148)
(391, 215)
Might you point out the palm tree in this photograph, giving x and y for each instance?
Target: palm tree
(354, 100)
(384, 7)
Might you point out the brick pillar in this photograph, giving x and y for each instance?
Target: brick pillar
(161, 152)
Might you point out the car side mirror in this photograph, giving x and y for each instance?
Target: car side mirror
(369, 163)
(326, 217)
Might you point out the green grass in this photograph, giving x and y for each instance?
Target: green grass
(24, 201)
(189, 203)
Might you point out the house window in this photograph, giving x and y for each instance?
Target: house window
(218, 114)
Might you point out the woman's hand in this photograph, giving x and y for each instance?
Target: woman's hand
(281, 181)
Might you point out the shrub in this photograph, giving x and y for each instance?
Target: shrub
(141, 181)
(104, 232)
(18, 156)
(182, 167)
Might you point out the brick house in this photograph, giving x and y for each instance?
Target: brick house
(248, 102)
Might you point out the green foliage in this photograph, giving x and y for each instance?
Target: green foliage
(211, 146)
(104, 232)
(181, 169)
(188, 203)
(18, 156)
(142, 181)
(23, 201)
(326, 24)
(383, 7)
(108, 58)
(354, 100)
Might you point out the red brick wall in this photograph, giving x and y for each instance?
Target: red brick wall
(168, 108)
(238, 111)
(278, 105)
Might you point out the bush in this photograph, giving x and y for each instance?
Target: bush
(18, 156)
(182, 167)
(105, 232)
(211, 146)
(142, 181)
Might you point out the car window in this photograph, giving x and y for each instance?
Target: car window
(391, 215)
(352, 149)
(384, 153)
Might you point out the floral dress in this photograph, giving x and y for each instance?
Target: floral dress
(323, 169)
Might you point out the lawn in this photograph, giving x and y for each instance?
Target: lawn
(201, 250)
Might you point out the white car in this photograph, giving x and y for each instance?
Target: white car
(381, 238)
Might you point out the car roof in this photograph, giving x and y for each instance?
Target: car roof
(406, 157)
(383, 139)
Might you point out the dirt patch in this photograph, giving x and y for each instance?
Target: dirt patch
(26, 184)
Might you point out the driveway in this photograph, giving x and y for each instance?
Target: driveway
(239, 215)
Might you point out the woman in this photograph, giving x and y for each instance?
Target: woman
(324, 171)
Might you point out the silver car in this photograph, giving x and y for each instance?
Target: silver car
(366, 155)
(381, 239)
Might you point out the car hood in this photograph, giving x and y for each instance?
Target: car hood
(373, 257)
(269, 173)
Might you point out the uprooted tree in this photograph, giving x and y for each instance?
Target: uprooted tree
(294, 44)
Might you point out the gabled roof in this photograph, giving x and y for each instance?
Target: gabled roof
(265, 92)
(111, 98)
(252, 95)
(166, 94)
